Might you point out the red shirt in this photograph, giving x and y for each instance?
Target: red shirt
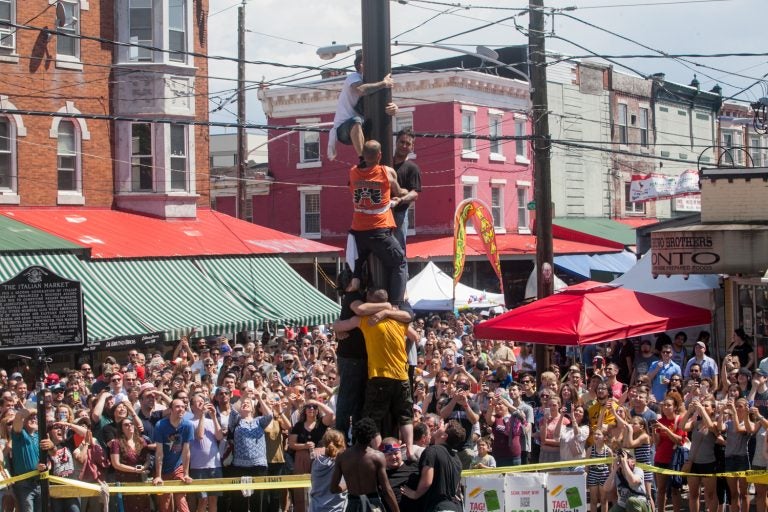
(666, 446)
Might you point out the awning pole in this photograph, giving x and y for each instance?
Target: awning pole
(317, 282)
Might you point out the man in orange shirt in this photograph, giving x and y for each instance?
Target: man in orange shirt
(374, 192)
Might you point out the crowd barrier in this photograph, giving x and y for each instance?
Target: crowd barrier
(67, 487)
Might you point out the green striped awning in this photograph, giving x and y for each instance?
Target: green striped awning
(105, 316)
(273, 287)
(18, 237)
(174, 297)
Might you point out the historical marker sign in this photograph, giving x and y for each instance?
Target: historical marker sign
(39, 308)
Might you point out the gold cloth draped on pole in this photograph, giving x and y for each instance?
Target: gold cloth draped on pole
(483, 220)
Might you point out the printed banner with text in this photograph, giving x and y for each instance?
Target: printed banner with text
(658, 186)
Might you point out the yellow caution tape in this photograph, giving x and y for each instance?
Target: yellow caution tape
(66, 487)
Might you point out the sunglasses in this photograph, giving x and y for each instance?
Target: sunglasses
(311, 407)
(116, 380)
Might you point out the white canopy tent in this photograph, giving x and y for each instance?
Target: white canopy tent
(532, 285)
(696, 289)
(432, 289)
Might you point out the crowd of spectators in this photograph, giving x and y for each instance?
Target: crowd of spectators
(213, 407)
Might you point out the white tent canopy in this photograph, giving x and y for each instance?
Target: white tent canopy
(432, 289)
(532, 285)
(696, 289)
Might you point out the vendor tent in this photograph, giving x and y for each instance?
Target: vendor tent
(695, 289)
(432, 290)
(591, 312)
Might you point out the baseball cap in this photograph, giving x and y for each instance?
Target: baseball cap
(287, 357)
(389, 448)
(147, 386)
(761, 372)
(16, 375)
(51, 379)
(745, 371)
(224, 349)
(485, 314)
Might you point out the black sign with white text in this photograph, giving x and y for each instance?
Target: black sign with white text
(39, 308)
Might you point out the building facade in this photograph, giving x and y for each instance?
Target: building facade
(98, 158)
(309, 195)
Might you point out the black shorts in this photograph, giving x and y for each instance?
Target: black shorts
(383, 396)
(704, 469)
(738, 463)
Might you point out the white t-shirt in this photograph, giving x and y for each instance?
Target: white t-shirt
(345, 109)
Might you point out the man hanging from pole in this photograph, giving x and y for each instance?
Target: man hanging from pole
(349, 123)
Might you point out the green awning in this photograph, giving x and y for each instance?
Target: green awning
(105, 316)
(172, 296)
(17, 237)
(273, 287)
(606, 229)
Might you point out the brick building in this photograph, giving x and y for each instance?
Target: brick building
(142, 166)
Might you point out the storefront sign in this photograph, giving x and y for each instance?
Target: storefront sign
(566, 492)
(658, 186)
(705, 249)
(38, 308)
(140, 341)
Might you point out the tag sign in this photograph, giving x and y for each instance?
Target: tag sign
(566, 492)
(39, 308)
(485, 494)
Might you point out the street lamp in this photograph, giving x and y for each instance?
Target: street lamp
(481, 52)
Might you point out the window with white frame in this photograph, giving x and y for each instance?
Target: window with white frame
(68, 39)
(497, 206)
(309, 145)
(179, 164)
(643, 125)
(7, 32)
(140, 29)
(469, 191)
(469, 144)
(494, 130)
(756, 152)
(622, 123)
(522, 209)
(310, 213)
(731, 153)
(403, 121)
(177, 32)
(520, 145)
(632, 207)
(142, 160)
(7, 147)
(67, 157)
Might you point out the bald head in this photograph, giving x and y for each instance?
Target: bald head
(372, 152)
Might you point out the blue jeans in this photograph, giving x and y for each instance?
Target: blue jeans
(401, 232)
(28, 495)
(353, 376)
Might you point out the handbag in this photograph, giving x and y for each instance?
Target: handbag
(681, 461)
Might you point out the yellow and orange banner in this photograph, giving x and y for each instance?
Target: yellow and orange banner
(483, 221)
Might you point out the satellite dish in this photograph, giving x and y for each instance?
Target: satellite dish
(63, 19)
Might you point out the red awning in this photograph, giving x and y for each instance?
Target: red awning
(637, 222)
(115, 234)
(591, 312)
(508, 245)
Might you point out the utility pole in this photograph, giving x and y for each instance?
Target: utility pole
(377, 64)
(242, 150)
(542, 180)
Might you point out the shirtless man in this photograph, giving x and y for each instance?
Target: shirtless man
(365, 472)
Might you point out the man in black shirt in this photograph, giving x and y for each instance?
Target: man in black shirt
(400, 473)
(409, 179)
(440, 471)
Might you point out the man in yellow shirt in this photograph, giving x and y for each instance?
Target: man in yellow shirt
(388, 392)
